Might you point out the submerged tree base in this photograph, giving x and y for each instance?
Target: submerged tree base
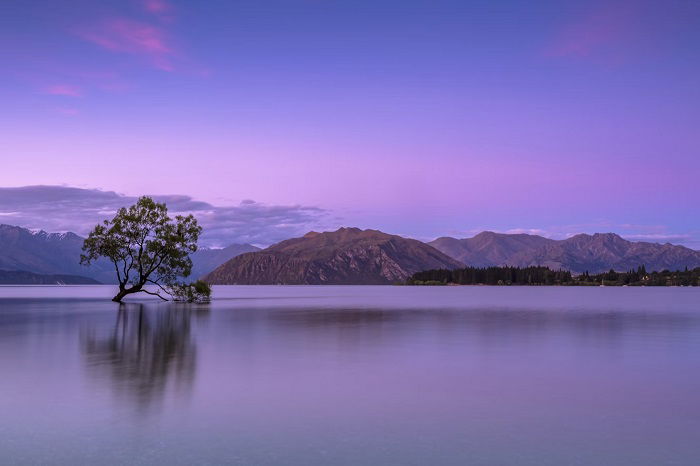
(196, 292)
(124, 292)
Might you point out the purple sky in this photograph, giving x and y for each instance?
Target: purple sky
(422, 118)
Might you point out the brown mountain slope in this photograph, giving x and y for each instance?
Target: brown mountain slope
(594, 253)
(348, 256)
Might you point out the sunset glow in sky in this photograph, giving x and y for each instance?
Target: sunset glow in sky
(421, 118)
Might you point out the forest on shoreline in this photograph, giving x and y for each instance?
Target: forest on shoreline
(544, 276)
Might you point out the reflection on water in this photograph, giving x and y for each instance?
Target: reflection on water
(149, 351)
(352, 376)
(479, 319)
(506, 328)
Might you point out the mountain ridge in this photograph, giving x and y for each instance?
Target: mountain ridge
(583, 252)
(318, 257)
(40, 252)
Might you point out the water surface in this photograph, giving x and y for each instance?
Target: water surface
(352, 376)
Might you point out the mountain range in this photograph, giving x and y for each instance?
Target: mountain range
(580, 253)
(48, 253)
(23, 250)
(348, 256)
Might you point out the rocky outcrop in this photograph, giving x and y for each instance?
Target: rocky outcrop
(348, 256)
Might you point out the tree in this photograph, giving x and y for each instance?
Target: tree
(146, 247)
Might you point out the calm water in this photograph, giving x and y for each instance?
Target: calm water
(352, 376)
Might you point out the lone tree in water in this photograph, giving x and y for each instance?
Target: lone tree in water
(147, 248)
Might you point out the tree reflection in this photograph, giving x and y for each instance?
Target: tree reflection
(150, 353)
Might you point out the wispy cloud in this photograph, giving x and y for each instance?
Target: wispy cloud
(529, 231)
(68, 111)
(603, 29)
(83, 80)
(61, 208)
(63, 89)
(162, 9)
(156, 6)
(659, 237)
(123, 35)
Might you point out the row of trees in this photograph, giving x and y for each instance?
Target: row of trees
(492, 276)
(538, 275)
(640, 277)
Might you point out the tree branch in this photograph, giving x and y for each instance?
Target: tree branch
(131, 263)
(154, 294)
(158, 285)
(140, 255)
(153, 269)
(116, 267)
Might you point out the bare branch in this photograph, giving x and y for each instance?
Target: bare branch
(116, 267)
(154, 294)
(158, 285)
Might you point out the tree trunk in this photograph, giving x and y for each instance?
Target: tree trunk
(124, 291)
(119, 296)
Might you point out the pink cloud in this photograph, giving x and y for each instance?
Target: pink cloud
(100, 79)
(133, 37)
(604, 29)
(63, 89)
(161, 9)
(156, 6)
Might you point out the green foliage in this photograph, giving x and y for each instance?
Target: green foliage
(197, 292)
(146, 246)
(640, 277)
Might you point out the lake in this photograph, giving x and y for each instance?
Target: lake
(326, 375)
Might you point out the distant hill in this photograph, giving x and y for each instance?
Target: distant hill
(48, 253)
(20, 277)
(59, 253)
(593, 253)
(206, 260)
(348, 256)
(487, 248)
